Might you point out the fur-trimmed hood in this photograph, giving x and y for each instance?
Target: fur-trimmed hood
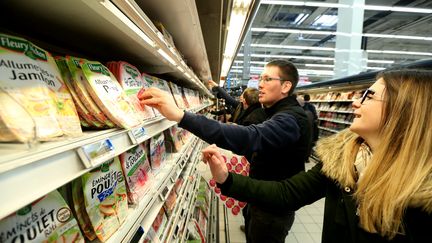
(330, 150)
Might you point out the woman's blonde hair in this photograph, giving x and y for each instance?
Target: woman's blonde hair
(402, 163)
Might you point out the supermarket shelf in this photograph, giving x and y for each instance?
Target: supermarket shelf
(189, 213)
(142, 214)
(336, 121)
(328, 129)
(151, 214)
(329, 101)
(337, 111)
(186, 197)
(95, 26)
(183, 196)
(45, 167)
(213, 223)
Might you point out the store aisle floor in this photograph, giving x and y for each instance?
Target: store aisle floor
(307, 226)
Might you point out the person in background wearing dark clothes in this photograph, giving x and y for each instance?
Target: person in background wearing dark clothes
(252, 113)
(376, 176)
(221, 93)
(276, 148)
(308, 106)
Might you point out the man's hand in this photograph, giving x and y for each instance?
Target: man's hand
(213, 158)
(212, 84)
(163, 102)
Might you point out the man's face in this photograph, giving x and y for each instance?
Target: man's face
(271, 87)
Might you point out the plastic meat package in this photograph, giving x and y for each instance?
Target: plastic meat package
(105, 198)
(79, 84)
(137, 171)
(157, 151)
(131, 81)
(48, 220)
(30, 103)
(109, 95)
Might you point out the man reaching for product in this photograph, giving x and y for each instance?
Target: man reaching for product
(276, 148)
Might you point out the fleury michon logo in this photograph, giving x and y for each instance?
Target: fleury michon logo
(23, 46)
(132, 71)
(98, 68)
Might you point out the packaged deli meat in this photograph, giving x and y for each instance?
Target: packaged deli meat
(149, 81)
(79, 83)
(11, 112)
(105, 198)
(109, 95)
(67, 113)
(79, 210)
(137, 172)
(173, 140)
(48, 219)
(83, 112)
(130, 79)
(176, 92)
(25, 89)
(157, 151)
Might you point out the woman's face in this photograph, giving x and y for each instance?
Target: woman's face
(368, 112)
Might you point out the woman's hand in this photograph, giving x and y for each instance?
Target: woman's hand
(213, 158)
(163, 102)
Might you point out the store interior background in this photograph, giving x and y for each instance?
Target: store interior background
(325, 46)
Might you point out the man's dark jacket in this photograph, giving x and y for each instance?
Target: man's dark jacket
(276, 148)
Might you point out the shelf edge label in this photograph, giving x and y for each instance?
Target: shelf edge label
(137, 135)
(96, 153)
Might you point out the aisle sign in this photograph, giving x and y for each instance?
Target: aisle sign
(138, 135)
(95, 154)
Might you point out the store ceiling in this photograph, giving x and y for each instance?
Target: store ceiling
(377, 22)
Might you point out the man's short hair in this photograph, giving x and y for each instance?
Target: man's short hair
(306, 97)
(250, 95)
(288, 72)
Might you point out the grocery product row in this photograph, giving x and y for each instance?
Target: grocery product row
(335, 110)
(44, 98)
(336, 96)
(109, 202)
(170, 222)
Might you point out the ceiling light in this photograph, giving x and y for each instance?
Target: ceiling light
(296, 57)
(401, 52)
(293, 31)
(375, 68)
(188, 75)
(398, 36)
(317, 32)
(304, 3)
(294, 47)
(319, 65)
(333, 49)
(394, 9)
(380, 61)
(300, 18)
(337, 5)
(325, 20)
(237, 21)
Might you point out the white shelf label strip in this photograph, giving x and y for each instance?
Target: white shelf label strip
(95, 154)
(138, 135)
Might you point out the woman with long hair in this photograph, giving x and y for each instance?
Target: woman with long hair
(376, 176)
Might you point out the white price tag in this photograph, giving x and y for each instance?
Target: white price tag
(173, 177)
(96, 153)
(137, 135)
(164, 193)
